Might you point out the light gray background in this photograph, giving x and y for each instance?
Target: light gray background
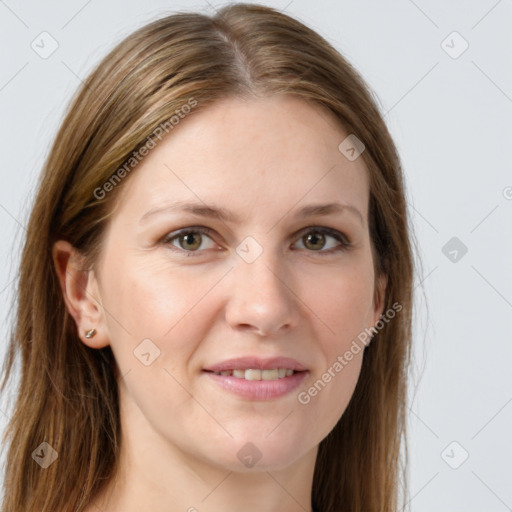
(450, 118)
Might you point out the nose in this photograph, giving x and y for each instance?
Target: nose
(261, 298)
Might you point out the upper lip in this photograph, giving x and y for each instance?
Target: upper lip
(257, 363)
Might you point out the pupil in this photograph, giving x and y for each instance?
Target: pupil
(189, 239)
(315, 237)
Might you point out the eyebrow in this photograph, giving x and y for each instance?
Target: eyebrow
(224, 215)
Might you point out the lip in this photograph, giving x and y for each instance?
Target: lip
(256, 363)
(257, 389)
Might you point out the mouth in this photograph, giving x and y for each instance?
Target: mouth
(253, 374)
(254, 378)
(257, 389)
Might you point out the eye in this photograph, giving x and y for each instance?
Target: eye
(189, 240)
(316, 239)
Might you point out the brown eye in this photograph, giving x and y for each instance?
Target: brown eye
(314, 240)
(319, 240)
(190, 240)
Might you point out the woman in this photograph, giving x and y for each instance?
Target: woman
(214, 302)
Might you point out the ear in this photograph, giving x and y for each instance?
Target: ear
(379, 297)
(81, 293)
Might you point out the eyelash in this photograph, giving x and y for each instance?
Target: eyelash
(345, 244)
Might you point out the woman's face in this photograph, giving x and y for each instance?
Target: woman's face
(265, 281)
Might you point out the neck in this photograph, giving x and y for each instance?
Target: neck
(159, 475)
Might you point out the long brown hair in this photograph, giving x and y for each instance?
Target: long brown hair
(67, 393)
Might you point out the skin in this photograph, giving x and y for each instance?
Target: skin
(263, 159)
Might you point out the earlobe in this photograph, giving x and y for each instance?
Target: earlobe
(80, 293)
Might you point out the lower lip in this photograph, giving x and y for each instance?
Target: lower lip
(258, 389)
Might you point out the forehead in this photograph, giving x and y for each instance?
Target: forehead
(257, 153)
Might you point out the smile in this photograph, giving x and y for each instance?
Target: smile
(255, 374)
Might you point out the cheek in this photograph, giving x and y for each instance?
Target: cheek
(152, 298)
(341, 300)
(164, 305)
(339, 389)
(162, 302)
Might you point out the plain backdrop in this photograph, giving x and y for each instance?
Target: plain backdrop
(442, 74)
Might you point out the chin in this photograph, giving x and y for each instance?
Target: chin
(258, 454)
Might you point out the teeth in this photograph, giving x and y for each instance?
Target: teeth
(254, 374)
(270, 374)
